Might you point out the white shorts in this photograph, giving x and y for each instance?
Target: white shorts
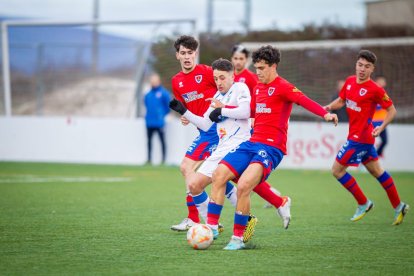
(210, 164)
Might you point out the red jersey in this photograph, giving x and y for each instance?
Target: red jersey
(192, 89)
(274, 103)
(250, 79)
(361, 101)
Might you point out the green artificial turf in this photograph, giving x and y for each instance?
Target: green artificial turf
(115, 220)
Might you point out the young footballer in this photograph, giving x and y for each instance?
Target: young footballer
(192, 86)
(252, 161)
(230, 109)
(361, 95)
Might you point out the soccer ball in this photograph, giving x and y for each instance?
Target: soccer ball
(200, 236)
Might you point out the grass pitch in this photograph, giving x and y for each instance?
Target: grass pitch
(112, 220)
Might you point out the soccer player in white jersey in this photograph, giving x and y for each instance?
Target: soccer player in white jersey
(230, 108)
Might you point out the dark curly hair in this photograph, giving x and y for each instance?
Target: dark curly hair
(186, 41)
(270, 55)
(222, 64)
(367, 55)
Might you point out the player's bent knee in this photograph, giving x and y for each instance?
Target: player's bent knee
(195, 188)
(183, 168)
(337, 170)
(243, 190)
(221, 175)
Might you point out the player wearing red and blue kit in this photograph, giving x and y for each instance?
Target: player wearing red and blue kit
(192, 89)
(252, 161)
(361, 96)
(192, 86)
(239, 59)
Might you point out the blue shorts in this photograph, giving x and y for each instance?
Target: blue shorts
(353, 153)
(239, 158)
(203, 145)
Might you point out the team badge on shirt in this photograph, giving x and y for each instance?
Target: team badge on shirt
(271, 91)
(222, 132)
(362, 91)
(242, 80)
(198, 78)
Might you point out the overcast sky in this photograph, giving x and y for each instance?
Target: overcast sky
(285, 15)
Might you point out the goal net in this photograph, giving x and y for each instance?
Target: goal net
(87, 69)
(316, 66)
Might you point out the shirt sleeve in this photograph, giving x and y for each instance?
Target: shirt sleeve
(242, 111)
(204, 123)
(176, 93)
(210, 77)
(295, 95)
(383, 99)
(342, 93)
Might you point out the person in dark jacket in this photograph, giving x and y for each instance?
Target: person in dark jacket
(156, 102)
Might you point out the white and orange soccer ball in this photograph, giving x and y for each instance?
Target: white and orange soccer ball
(200, 236)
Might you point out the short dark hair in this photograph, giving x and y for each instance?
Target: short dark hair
(240, 49)
(270, 55)
(186, 41)
(367, 55)
(222, 64)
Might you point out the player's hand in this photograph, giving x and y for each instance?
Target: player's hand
(184, 121)
(327, 107)
(177, 106)
(215, 103)
(329, 117)
(377, 131)
(215, 115)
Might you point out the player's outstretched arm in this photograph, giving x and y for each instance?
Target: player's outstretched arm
(317, 109)
(202, 123)
(335, 104)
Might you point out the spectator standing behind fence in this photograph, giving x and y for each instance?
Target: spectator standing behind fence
(379, 116)
(156, 103)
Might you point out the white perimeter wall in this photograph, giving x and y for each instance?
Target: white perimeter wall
(115, 141)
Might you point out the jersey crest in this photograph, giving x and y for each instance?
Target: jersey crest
(362, 91)
(242, 80)
(271, 91)
(198, 78)
(222, 132)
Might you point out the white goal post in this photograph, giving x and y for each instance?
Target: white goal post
(32, 23)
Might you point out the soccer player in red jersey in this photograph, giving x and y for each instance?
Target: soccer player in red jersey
(252, 161)
(361, 95)
(192, 86)
(239, 58)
